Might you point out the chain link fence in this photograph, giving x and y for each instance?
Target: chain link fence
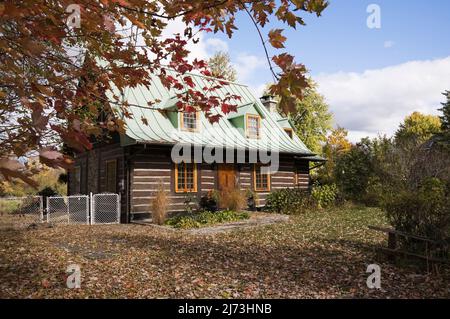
(78, 207)
(105, 209)
(75, 209)
(18, 212)
(57, 210)
(68, 209)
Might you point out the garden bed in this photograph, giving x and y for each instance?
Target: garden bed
(200, 225)
(203, 219)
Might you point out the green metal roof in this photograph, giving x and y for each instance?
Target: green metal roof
(224, 133)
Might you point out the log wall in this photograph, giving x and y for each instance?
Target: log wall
(151, 166)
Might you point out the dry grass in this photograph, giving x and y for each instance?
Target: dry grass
(160, 205)
(235, 200)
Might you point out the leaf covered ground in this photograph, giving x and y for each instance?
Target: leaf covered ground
(321, 254)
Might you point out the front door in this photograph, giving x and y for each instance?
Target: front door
(226, 177)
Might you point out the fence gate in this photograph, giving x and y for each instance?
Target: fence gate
(21, 211)
(58, 210)
(78, 208)
(68, 209)
(105, 209)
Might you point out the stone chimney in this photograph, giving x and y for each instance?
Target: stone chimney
(269, 102)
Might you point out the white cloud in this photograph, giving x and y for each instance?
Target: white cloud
(246, 64)
(389, 44)
(376, 101)
(258, 89)
(215, 44)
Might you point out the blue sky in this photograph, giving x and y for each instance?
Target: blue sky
(408, 56)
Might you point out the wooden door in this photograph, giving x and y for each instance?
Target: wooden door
(226, 177)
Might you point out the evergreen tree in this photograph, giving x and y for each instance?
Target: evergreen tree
(443, 138)
(445, 117)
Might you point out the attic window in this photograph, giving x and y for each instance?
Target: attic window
(253, 125)
(289, 132)
(189, 121)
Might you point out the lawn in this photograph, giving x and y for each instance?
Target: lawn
(321, 254)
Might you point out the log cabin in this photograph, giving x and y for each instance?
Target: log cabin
(138, 161)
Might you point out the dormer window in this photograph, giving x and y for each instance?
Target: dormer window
(253, 126)
(289, 132)
(190, 121)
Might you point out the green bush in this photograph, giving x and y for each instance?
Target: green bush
(288, 201)
(374, 192)
(424, 212)
(210, 201)
(205, 218)
(324, 195)
(353, 170)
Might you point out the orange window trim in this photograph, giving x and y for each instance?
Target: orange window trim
(257, 189)
(186, 189)
(197, 119)
(249, 116)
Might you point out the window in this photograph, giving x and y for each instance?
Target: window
(253, 124)
(111, 176)
(185, 178)
(76, 180)
(289, 132)
(190, 121)
(261, 178)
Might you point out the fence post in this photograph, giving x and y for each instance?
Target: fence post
(41, 208)
(118, 208)
(88, 203)
(68, 209)
(48, 208)
(91, 206)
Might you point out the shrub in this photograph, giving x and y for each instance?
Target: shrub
(252, 199)
(160, 205)
(424, 212)
(288, 201)
(205, 218)
(324, 195)
(48, 192)
(190, 203)
(374, 192)
(353, 170)
(234, 200)
(210, 201)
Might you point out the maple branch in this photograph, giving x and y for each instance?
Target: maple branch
(262, 41)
